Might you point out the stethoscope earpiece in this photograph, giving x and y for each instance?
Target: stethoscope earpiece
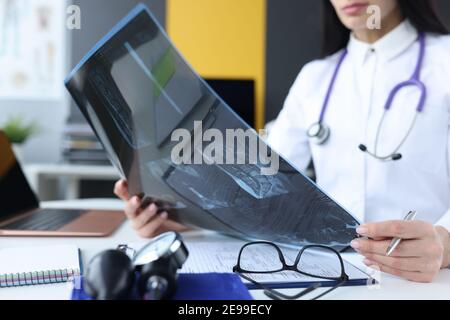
(362, 147)
(393, 157)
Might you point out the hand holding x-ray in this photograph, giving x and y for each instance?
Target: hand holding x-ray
(145, 220)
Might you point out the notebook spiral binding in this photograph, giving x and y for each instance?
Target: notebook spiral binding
(37, 278)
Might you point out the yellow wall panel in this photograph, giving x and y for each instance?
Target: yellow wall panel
(223, 39)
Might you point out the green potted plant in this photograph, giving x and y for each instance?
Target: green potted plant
(18, 132)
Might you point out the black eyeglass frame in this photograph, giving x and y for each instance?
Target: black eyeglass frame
(285, 267)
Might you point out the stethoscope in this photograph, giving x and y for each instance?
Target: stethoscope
(319, 132)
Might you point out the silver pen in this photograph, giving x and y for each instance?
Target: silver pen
(396, 241)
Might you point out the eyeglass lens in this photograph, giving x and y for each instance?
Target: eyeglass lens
(260, 257)
(321, 263)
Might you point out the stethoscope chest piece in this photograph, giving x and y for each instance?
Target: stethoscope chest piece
(319, 133)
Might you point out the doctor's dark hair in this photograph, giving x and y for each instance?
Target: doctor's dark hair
(422, 14)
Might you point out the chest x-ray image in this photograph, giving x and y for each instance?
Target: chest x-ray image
(135, 89)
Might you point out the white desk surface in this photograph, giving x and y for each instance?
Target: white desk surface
(390, 288)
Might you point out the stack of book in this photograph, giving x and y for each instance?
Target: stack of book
(81, 146)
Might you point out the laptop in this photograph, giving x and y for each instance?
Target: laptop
(20, 214)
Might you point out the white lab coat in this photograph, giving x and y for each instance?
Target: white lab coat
(370, 189)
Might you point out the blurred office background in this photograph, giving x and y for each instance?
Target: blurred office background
(250, 51)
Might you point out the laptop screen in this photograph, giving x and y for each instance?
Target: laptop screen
(16, 195)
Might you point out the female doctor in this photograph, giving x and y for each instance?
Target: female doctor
(374, 117)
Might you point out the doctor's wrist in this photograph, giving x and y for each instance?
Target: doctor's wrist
(444, 235)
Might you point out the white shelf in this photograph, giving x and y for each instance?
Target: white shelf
(45, 178)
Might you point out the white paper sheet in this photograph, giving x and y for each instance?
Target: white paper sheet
(36, 259)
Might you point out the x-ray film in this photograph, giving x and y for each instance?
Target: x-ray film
(135, 90)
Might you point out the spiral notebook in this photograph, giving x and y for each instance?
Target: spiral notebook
(38, 265)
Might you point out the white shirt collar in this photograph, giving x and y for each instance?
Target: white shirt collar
(386, 48)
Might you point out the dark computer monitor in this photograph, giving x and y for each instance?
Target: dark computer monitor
(239, 94)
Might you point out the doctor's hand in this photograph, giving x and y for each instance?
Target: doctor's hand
(423, 251)
(146, 221)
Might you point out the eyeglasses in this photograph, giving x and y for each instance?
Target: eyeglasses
(315, 261)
